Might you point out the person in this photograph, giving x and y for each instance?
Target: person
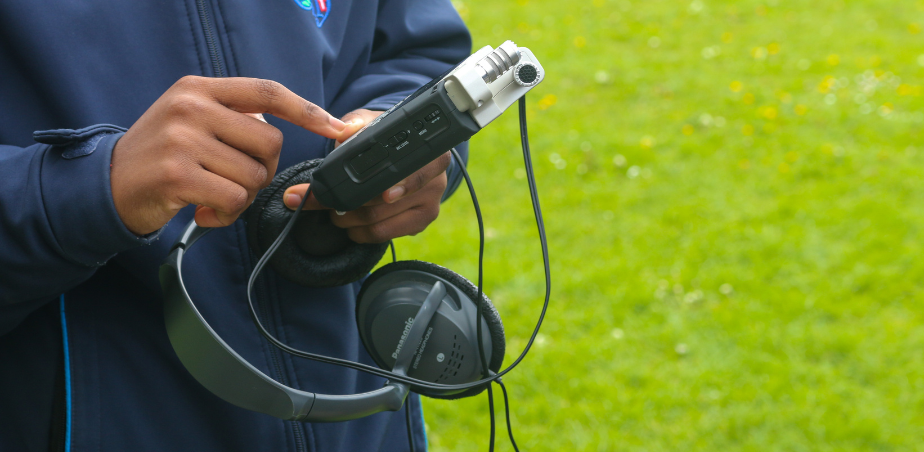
(89, 209)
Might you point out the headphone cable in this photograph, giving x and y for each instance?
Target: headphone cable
(258, 267)
(491, 411)
(507, 411)
(480, 296)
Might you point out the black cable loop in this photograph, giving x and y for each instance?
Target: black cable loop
(491, 410)
(513, 442)
(385, 373)
(480, 294)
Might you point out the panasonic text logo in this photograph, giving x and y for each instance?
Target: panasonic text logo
(407, 329)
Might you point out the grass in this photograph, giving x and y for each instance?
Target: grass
(734, 200)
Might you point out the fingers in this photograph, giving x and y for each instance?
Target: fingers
(362, 114)
(353, 125)
(207, 217)
(293, 197)
(418, 180)
(408, 222)
(235, 166)
(356, 114)
(204, 141)
(257, 116)
(355, 121)
(225, 200)
(405, 209)
(249, 95)
(427, 198)
(251, 136)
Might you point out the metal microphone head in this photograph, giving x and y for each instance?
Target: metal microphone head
(499, 61)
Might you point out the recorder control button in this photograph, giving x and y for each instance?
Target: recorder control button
(401, 136)
(418, 125)
(363, 162)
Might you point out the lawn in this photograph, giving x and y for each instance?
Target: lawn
(734, 196)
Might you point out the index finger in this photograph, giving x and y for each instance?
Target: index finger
(253, 95)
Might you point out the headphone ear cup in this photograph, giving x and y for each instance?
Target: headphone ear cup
(316, 253)
(395, 292)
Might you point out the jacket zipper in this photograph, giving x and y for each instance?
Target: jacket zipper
(205, 17)
(277, 360)
(269, 320)
(208, 27)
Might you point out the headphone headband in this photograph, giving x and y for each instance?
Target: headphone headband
(214, 364)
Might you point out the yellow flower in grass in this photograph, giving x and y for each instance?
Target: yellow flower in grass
(768, 112)
(547, 101)
(908, 90)
(827, 84)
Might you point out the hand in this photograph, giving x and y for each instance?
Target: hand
(204, 142)
(405, 209)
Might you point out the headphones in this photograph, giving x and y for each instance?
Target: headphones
(414, 318)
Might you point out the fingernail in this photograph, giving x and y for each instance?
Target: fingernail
(292, 200)
(395, 192)
(337, 124)
(257, 116)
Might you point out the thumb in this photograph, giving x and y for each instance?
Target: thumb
(293, 197)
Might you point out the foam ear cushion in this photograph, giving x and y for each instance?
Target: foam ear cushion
(489, 313)
(316, 253)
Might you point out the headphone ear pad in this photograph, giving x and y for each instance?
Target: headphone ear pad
(425, 272)
(316, 253)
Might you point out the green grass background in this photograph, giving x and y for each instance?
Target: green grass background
(734, 196)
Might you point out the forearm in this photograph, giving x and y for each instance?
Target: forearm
(57, 220)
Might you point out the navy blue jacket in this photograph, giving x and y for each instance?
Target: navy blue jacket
(84, 355)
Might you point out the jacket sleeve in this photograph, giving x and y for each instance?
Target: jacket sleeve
(58, 223)
(415, 41)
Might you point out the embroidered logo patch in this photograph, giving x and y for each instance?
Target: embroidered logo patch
(320, 9)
